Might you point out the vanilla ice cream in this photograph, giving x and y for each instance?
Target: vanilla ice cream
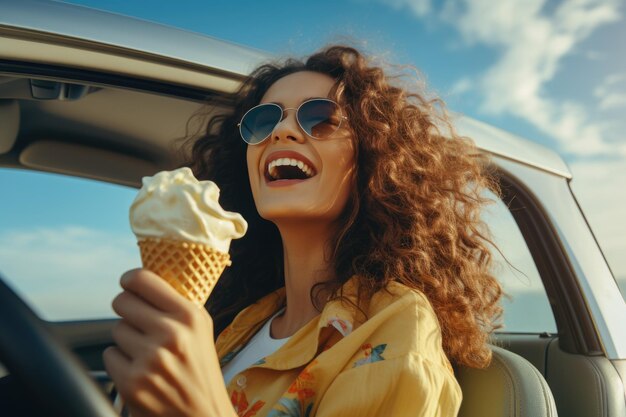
(174, 205)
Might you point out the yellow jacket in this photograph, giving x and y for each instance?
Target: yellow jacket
(340, 364)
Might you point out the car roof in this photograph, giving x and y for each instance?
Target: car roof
(98, 26)
(182, 49)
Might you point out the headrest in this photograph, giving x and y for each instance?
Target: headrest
(509, 387)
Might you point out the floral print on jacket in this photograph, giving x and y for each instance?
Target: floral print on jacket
(343, 362)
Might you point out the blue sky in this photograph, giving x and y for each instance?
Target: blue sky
(551, 71)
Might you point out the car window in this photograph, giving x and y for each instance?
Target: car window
(64, 242)
(526, 309)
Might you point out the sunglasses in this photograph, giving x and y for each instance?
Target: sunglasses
(318, 117)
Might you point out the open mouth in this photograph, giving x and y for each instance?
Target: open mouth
(288, 169)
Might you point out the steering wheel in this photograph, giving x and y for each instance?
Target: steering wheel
(43, 365)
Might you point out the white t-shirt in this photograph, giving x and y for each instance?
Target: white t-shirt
(260, 346)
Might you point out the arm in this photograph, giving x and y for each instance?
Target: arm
(164, 361)
(407, 386)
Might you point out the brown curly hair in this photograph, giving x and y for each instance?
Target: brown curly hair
(413, 215)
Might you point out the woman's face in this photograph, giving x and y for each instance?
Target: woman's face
(330, 162)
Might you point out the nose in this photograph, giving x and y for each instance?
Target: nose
(288, 128)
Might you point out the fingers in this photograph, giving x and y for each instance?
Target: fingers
(152, 288)
(136, 312)
(152, 370)
(117, 366)
(146, 354)
(130, 341)
(138, 387)
(162, 343)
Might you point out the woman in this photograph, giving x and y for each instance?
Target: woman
(364, 273)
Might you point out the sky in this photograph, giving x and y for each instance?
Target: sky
(551, 71)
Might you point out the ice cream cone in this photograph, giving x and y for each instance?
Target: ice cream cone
(191, 268)
(183, 233)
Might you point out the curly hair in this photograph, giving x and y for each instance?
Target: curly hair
(413, 215)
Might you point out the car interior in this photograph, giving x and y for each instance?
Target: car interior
(119, 129)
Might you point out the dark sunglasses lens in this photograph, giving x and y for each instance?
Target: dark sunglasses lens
(259, 122)
(319, 118)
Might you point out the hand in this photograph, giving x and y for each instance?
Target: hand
(165, 362)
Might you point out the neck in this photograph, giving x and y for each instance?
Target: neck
(306, 262)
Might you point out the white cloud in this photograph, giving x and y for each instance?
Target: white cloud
(594, 55)
(532, 43)
(612, 92)
(67, 272)
(419, 7)
(461, 86)
(613, 101)
(532, 47)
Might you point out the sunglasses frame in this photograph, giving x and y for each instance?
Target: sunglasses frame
(282, 117)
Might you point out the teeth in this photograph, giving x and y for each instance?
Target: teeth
(271, 168)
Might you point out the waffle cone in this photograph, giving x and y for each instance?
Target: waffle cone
(192, 269)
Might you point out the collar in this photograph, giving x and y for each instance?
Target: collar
(337, 320)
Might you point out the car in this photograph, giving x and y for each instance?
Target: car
(108, 99)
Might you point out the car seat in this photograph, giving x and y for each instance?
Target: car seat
(509, 387)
